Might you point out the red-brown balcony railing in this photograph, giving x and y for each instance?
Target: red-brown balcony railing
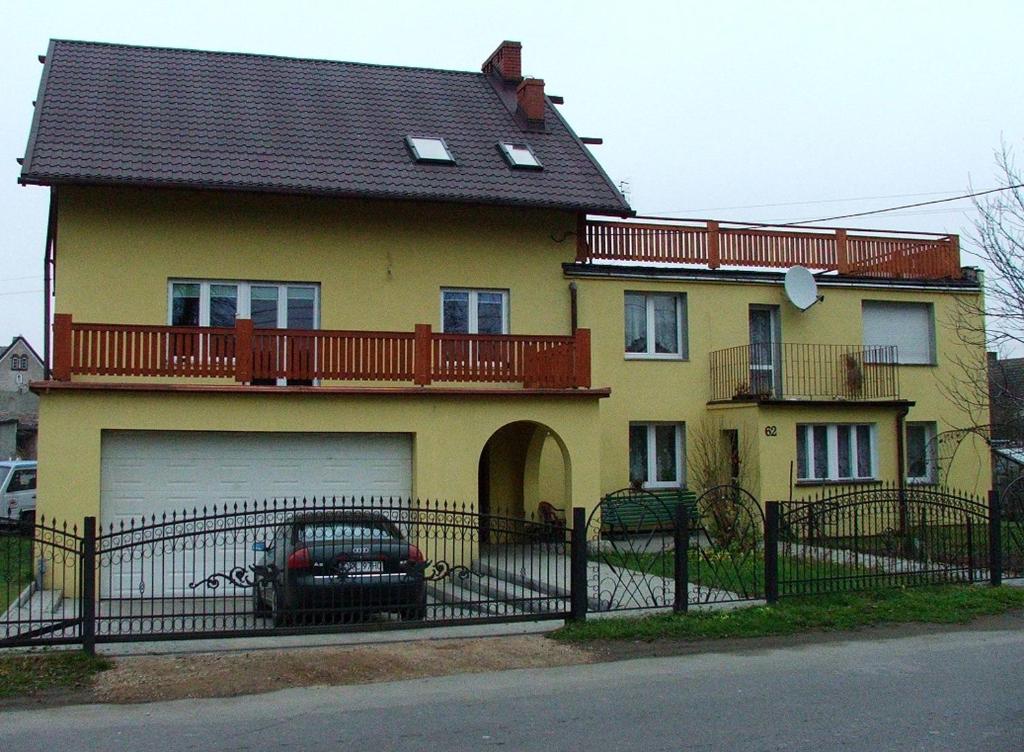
(792, 371)
(267, 355)
(874, 253)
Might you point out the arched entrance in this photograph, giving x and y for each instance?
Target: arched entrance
(522, 464)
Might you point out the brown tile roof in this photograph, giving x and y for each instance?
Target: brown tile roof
(113, 114)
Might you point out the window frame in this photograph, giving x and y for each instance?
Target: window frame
(19, 362)
(652, 457)
(243, 298)
(410, 143)
(682, 333)
(473, 319)
(506, 148)
(931, 461)
(832, 453)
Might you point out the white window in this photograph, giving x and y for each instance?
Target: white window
(430, 149)
(908, 326)
(656, 325)
(19, 363)
(656, 455)
(835, 451)
(520, 155)
(270, 305)
(474, 311)
(922, 466)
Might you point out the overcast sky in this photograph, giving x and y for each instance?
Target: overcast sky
(707, 109)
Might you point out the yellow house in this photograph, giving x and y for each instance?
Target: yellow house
(273, 277)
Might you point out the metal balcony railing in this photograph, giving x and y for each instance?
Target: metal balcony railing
(793, 371)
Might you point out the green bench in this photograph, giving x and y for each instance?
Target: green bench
(632, 509)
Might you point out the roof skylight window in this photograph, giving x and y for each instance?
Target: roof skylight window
(429, 150)
(520, 155)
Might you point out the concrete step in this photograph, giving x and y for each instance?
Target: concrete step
(531, 578)
(516, 594)
(454, 596)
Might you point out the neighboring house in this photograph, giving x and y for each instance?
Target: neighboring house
(285, 277)
(19, 407)
(1006, 399)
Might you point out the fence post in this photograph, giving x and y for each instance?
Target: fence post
(581, 355)
(243, 350)
(771, 551)
(714, 249)
(842, 252)
(681, 535)
(61, 370)
(995, 539)
(582, 249)
(578, 565)
(88, 594)
(422, 357)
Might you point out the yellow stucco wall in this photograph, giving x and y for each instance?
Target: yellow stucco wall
(381, 266)
(448, 434)
(717, 315)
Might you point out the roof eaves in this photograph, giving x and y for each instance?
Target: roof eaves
(627, 210)
(298, 191)
(26, 165)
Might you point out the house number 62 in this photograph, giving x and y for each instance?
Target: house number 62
(771, 431)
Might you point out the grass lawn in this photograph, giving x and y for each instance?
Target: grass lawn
(65, 669)
(15, 567)
(741, 573)
(942, 605)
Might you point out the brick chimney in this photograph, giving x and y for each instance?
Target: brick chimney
(530, 97)
(506, 62)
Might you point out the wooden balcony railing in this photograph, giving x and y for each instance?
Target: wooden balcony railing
(791, 371)
(874, 253)
(306, 356)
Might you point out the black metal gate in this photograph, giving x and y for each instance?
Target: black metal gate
(726, 558)
(282, 567)
(648, 550)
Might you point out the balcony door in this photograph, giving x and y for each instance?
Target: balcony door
(765, 351)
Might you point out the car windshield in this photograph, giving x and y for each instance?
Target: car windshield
(344, 530)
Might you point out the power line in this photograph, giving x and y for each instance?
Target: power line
(905, 206)
(20, 292)
(808, 203)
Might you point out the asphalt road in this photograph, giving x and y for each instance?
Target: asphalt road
(961, 690)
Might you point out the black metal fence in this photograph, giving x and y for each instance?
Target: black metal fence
(280, 567)
(883, 537)
(332, 564)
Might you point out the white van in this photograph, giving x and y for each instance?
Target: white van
(17, 493)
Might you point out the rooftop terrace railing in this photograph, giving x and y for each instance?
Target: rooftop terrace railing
(864, 253)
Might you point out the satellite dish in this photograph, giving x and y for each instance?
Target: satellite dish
(801, 289)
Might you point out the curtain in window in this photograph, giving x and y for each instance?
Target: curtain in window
(636, 323)
(665, 453)
(637, 454)
(666, 324)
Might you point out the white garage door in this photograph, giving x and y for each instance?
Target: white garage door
(147, 473)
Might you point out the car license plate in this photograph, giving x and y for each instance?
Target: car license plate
(365, 567)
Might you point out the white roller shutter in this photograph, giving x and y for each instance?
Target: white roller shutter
(146, 473)
(909, 326)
